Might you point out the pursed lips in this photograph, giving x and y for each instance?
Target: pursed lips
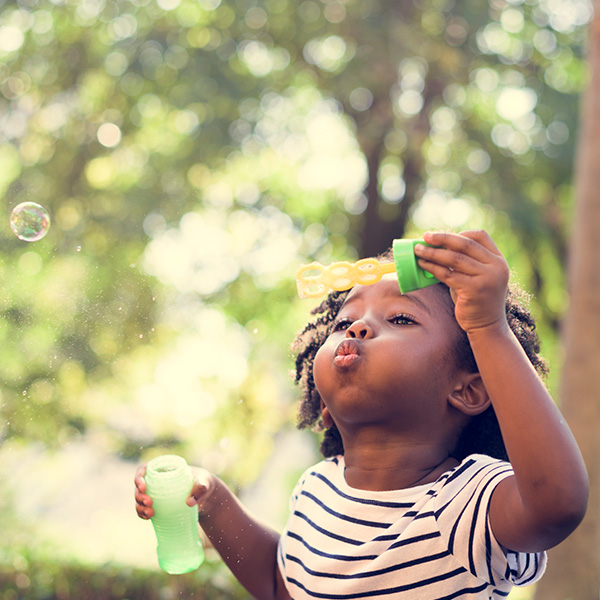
(347, 353)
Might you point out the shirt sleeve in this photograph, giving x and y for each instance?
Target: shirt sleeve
(281, 546)
(463, 519)
(298, 490)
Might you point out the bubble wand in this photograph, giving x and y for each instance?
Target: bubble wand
(314, 280)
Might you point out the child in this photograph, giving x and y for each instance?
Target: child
(415, 498)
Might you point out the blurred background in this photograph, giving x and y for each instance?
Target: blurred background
(191, 155)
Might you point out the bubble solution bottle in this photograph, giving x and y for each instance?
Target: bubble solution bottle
(169, 481)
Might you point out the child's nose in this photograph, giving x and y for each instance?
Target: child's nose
(359, 329)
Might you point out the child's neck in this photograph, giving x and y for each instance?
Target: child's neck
(383, 467)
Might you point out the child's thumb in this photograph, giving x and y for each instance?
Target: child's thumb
(453, 295)
(197, 493)
(200, 487)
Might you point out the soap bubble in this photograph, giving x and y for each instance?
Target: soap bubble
(30, 221)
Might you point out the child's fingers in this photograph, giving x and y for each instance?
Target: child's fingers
(471, 253)
(144, 512)
(142, 498)
(143, 502)
(140, 482)
(483, 238)
(452, 278)
(439, 261)
(143, 505)
(477, 244)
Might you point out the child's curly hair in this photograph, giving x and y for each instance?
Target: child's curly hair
(481, 435)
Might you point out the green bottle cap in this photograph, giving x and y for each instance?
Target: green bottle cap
(410, 275)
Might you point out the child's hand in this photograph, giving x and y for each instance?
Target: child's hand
(477, 274)
(143, 502)
(198, 494)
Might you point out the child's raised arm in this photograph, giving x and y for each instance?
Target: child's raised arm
(248, 547)
(547, 497)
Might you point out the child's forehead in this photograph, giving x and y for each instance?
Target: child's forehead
(388, 288)
(388, 284)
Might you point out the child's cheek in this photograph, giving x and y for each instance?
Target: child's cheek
(320, 368)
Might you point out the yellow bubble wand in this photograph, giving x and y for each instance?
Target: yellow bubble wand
(314, 280)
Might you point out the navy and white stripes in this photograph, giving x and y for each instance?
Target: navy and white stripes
(431, 541)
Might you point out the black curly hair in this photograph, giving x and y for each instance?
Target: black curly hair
(482, 433)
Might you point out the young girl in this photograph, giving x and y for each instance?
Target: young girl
(424, 396)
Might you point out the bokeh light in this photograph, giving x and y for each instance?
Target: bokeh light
(109, 135)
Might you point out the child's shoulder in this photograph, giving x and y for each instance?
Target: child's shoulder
(475, 472)
(481, 460)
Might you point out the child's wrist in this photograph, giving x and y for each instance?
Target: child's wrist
(494, 330)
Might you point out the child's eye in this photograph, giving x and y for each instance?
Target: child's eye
(403, 319)
(342, 324)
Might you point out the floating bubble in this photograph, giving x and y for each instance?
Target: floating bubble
(30, 221)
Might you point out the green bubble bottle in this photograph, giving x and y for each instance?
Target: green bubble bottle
(169, 481)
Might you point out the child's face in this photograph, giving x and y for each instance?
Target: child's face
(389, 360)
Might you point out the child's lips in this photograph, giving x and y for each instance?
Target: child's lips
(347, 353)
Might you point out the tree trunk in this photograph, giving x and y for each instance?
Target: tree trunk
(574, 566)
(378, 232)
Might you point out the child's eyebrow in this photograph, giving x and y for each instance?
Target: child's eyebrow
(416, 300)
(396, 294)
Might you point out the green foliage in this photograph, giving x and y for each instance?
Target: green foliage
(42, 579)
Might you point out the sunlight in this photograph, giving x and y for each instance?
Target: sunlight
(566, 15)
(11, 38)
(328, 53)
(437, 210)
(478, 161)
(192, 379)
(208, 250)
(333, 160)
(109, 135)
(256, 57)
(514, 103)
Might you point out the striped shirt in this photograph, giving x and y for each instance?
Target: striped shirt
(428, 542)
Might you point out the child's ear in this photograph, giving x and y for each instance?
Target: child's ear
(326, 416)
(470, 396)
